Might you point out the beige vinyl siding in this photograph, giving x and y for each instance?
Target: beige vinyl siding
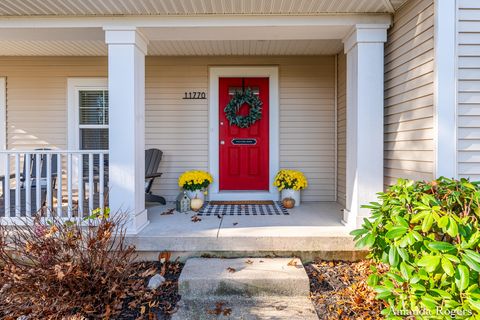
(341, 127)
(307, 124)
(409, 89)
(37, 111)
(468, 109)
(37, 98)
(180, 128)
(177, 127)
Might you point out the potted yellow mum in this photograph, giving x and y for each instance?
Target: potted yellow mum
(195, 183)
(289, 183)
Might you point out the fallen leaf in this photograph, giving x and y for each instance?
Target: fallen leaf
(108, 312)
(168, 212)
(219, 309)
(59, 272)
(231, 270)
(292, 263)
(148, 273)
(235, 223)
(249, 261)
(227, 311)
(164, 256)
(196, 218)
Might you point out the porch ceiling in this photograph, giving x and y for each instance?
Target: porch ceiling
(210, 35)
(175, 48)
(191, 7)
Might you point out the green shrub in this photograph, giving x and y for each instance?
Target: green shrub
(428, 234)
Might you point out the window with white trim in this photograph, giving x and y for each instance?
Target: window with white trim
(92, 119)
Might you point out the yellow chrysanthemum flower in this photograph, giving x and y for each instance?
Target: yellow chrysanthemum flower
(290, 179)
(195, 180)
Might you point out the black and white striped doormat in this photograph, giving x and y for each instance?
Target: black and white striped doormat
(273, 209)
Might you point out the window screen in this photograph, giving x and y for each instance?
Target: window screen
(93, 126)
(93, 119)
(93, 139)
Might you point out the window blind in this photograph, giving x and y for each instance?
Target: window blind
(93, 126)
(93, 119)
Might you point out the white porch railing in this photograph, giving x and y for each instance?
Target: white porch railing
(63, 183)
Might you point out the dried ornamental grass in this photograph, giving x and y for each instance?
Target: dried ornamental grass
(55, 269)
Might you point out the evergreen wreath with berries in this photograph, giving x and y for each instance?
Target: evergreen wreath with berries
(239, 99)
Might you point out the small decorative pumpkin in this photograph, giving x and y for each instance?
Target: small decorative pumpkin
(196, 204)
(288, 203)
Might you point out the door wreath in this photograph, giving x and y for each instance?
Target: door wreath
(239, 98)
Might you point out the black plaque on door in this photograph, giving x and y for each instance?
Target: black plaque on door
(244, 141)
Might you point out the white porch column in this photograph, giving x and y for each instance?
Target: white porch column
(365, 102)
(445, 89)
(126, 84)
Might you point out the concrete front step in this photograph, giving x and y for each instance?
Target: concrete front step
(245, 277)
(255, 308)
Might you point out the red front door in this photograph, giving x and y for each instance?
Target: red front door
(243, 151)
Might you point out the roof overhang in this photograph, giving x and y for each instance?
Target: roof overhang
(192, 7)
(321, 34)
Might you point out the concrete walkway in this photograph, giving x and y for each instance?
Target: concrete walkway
(246, 288)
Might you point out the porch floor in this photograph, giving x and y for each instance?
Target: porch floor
(313, 226)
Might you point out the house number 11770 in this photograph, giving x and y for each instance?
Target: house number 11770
(194, 95)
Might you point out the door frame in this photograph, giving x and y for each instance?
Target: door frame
(270, 72)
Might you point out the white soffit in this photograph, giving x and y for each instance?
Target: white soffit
(191, 7)
(245, 47)
(176, 48)
(52, 48)
(396, 4)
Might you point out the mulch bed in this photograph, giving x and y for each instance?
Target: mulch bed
(339, 290)
(163, 301)
(157, 304)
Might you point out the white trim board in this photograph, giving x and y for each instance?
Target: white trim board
(3, 122)
(208, 21)
(274, 131)
(74, 85)
(445, 90)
